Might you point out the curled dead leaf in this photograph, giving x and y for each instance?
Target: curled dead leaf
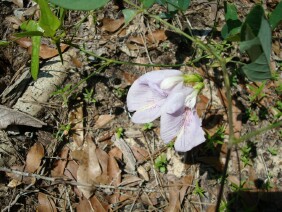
(47, 52)
(13, 117)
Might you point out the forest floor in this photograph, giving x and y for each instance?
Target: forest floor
(89, 156)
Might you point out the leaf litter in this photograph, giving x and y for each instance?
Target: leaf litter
(106, 172)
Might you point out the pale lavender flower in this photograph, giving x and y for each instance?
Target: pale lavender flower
(146, 96)
(178, 120)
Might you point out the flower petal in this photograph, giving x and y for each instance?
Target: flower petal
(147, 89)
(191, 133)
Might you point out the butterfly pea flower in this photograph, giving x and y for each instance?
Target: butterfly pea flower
(163, 94)
(180, 121)
(146, 96)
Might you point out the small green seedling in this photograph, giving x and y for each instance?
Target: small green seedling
(147, 126)
(120, 92)
(272, 150)
(245, 157)
(88, 96)
(120, 132)
(198, 190)
(63, 131)
(161, 163)
(63, 92)
(252, 115)
(170, 144)
(257, 92)
(216, 139)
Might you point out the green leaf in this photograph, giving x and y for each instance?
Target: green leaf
(183, 4)
(4, 43)
(276, 16)
(80, 4)
(129, 15)
(28, 34)
(35, 56)
(147, 3)
(48, 21)
(256, 40)
(231, 30)
(32, 26)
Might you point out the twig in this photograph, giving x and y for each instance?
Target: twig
(7, 208)
(71, 182)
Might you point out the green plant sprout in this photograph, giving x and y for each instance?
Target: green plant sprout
(63, 93)
(88, 96)
(63, 130)
(161, 163)
(216, 139)
(170, 145)
(245, 157)
(272, 150)
(147, 126)
(258, 94)
(120, 132)
(253, 117)
(120, 92)
(198, 190)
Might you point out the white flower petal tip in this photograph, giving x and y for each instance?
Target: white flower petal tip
(170, 82)
(191, 99)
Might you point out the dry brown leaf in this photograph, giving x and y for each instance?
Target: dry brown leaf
(112, 25)
(71, 170)
(142, 171)
(13, 117)
(76, 62)
(114, 171)
(14, 183)
(46, 203)
(60, 165)
(202, 105)
(76, 120)
(157, 36)
(136, 39)
(13, 20)
(139, 153)
(23, 42)
(116, 153)
(174, 200)
(114, 178)
(92, 167)
(130, 180)
(103, 120)
(129, 78)
(47, 52)
(84, 205)
(186, 181)
(34, 157)
(237, 119)
(97, 205)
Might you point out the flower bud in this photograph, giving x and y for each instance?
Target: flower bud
(190, 78)
(170, 82)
